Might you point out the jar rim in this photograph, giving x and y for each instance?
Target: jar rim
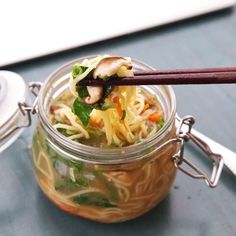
(100, 155)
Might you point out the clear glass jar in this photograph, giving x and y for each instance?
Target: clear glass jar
(111, 184)
(105, 185)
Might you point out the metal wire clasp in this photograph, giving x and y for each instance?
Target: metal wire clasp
(26, 109)
(184, 135)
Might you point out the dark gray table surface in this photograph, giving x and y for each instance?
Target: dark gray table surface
(191, 208)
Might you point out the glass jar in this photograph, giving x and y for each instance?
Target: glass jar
(110, 184)
(102, 184)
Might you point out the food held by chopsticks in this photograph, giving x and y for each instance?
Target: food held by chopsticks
(106, 115)
(166, 77)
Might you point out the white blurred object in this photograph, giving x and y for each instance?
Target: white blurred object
(29, 29)
(12, 90)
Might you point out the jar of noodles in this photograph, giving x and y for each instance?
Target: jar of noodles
(115, 183)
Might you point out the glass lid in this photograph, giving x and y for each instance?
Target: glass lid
(12, 90)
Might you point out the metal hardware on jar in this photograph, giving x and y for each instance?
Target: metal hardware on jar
(26, 109)
(183, 135)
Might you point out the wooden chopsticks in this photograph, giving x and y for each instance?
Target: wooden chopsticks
(179, 76)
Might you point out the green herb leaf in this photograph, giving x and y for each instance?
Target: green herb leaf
(161, 123)
(107, 91)
(78, 165)
(62, 131)
(83, 91)
(82, 111)
(80, 178)
(68, 184)
(93, 199)
(77, 69)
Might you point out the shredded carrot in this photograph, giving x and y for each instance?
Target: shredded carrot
(154, 117)
(118, 106)
(101, 124)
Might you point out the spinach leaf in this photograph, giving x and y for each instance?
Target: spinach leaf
(78, 165)
(80, 179)
(93, 199)
(83, 91)
(77, 69)
(82, 110)
(56, 158)
(107, 91)
(68, 184)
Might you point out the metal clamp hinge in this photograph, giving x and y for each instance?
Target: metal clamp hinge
(184, 134)
(25, 108)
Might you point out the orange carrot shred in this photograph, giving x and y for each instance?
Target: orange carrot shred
(154, 117)
(118, 108)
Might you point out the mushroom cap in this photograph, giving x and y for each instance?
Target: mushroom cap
(108, 66)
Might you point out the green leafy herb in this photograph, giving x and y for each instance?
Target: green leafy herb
(68, 184)
(161, 123)
(77, 69)
(107, 91)
(55, 158)
(83, 91)
(80, 179)
(82, 110)
(78, 165)
(62, 131)
(93, 199)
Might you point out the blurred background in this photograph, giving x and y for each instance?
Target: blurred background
(31, 29)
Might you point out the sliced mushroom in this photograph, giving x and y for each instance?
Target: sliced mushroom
(109, 66)
(95, 94)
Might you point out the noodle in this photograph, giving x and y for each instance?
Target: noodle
(44, 157)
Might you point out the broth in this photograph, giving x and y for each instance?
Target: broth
(103, 193)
